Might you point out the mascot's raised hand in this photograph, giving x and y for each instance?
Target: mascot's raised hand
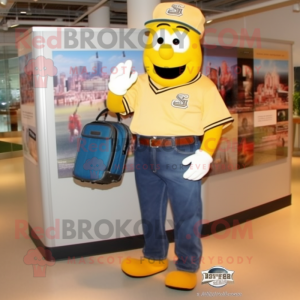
(122, 79)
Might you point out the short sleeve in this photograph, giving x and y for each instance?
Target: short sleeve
(214, 110)
(129, 99)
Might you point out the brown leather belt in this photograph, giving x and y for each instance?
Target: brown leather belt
(166, 142)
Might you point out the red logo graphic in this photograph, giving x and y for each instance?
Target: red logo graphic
(94, 165)
(40, 68)
(35, 258)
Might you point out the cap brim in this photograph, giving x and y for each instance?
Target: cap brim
(174, 21)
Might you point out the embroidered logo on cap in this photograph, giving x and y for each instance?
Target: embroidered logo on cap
(181, 101)
(175, 10)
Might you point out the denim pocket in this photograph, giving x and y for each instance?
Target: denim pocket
(186, 149)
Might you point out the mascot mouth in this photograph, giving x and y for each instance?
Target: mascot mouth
(169, 73)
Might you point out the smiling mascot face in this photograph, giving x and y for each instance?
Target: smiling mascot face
(173, 53)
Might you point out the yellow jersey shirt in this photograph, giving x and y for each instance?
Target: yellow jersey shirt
(188, 109)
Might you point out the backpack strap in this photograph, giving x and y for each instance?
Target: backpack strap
(105, 113)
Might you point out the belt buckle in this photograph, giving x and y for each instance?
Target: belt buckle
(154, 138)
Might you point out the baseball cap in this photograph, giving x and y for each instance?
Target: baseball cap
(180, 13)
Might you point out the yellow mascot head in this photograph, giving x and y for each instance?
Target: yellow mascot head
(173, 53)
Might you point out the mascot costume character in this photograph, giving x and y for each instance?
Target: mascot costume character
(173, 104)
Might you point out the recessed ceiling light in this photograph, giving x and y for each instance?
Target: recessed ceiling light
(209, 21)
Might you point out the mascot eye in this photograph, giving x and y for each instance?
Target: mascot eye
(162, 36)
(160, 40)
(180, 42)
(176, 42)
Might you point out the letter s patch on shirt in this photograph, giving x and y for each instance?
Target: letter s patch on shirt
(181, 101)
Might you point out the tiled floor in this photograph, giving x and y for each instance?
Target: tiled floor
(266, 266)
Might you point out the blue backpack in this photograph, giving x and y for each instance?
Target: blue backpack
(102, 151)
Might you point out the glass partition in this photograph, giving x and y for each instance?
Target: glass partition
(10, 120)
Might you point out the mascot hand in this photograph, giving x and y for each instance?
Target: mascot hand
(121, 81)
(200, 163)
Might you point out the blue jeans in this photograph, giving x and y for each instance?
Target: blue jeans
(159, 177)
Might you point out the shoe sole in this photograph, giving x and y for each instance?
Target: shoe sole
(177, 288)
(143, 276)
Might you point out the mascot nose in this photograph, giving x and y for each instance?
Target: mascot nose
(166, 51)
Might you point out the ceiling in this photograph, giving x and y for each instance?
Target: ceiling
(49, 12)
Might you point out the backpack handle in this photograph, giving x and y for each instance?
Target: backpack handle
(105, 113)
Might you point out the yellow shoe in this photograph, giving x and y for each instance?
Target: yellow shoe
(181, 280)
(143, 267)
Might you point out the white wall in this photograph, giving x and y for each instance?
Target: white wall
(280, 24)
